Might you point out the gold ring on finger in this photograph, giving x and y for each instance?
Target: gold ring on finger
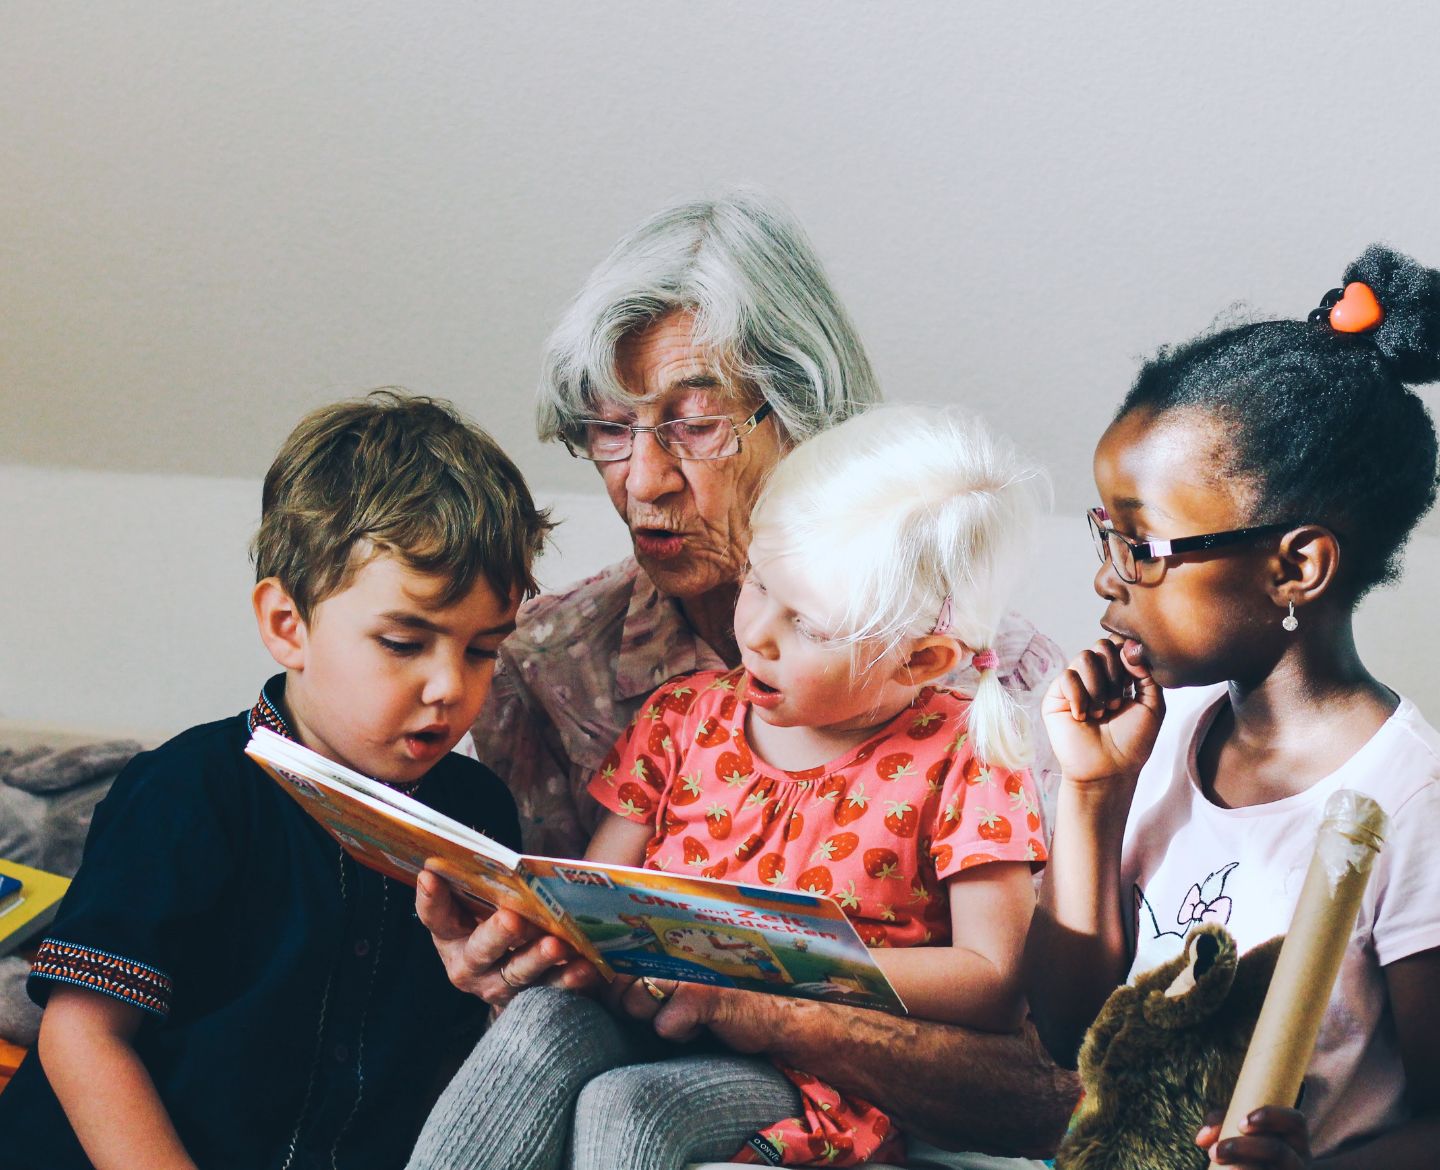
(657, 993)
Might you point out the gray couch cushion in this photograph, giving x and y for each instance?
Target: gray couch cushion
(19, 1018)
(47, 799)
(44, 818)
(48, 831)
(44, 769)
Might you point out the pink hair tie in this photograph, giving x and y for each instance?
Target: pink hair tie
(985, 660)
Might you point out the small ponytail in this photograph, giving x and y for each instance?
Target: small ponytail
(999, 727)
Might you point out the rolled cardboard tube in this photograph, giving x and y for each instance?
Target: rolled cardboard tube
(1350, 836)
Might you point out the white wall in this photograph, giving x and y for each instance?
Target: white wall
(214, 215)
(129, 595)
(129, 601)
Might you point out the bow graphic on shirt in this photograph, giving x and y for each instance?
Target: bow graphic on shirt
(1205, 901)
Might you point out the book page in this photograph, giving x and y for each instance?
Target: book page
(267, 747)
(703, 930)
(396, 834)
(626, 920)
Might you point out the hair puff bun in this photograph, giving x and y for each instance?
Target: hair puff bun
(1409, 336)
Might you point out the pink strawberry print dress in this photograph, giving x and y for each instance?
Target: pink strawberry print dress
(879, 829)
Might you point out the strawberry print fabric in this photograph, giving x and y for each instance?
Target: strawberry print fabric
(833, 1130)
(879, 829)
(583, 662)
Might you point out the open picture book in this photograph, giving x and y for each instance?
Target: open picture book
(625, 920)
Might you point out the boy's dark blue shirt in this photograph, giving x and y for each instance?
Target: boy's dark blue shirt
(296, 1011)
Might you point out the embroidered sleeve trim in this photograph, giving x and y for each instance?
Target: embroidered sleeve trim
(120, 978)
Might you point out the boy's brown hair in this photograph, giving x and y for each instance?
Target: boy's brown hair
(393, 472)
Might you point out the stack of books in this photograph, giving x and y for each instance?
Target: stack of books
(29, 899)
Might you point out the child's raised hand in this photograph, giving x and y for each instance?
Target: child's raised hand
(1102, 714)
(1270, 1137)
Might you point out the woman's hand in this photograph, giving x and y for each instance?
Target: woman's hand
(640, 999)
(1269, 1137)
(679, 1011)
(1102, 714)
(693, 1008)
(499, 957)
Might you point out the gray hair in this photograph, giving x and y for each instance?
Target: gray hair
(762, 304)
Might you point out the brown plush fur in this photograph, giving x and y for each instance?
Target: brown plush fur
(1163, 1053)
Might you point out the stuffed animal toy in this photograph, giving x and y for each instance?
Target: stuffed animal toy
(1165, 1051)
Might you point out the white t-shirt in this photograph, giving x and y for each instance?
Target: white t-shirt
(1186, 860)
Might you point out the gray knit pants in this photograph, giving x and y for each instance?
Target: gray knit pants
(558, 1081)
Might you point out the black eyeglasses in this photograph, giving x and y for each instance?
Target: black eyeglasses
(703, 436)
(1132, 558)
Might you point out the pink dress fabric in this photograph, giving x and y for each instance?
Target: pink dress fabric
(879, 829)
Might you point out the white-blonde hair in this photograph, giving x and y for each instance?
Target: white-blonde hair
(904, 512)
(744, 267)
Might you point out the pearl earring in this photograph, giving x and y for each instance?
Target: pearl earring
(1290, 621)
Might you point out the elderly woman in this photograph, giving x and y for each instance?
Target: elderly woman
(705, 344)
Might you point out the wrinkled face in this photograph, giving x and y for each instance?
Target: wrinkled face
(689, 520)
(799, 675)
(391, 679)
(1208, 616)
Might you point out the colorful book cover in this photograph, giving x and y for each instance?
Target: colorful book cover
(29, 899)
(625, 920)
(703, 930)
(397, 835)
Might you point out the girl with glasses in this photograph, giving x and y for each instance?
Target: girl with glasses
(1256, 483)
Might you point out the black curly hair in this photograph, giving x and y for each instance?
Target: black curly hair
(1321, 421)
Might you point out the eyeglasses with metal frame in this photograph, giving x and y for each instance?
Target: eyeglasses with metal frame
(1130, 558)
(701, 436)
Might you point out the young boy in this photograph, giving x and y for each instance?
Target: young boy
(224, 986)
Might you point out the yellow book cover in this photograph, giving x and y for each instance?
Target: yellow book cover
(27, 909)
